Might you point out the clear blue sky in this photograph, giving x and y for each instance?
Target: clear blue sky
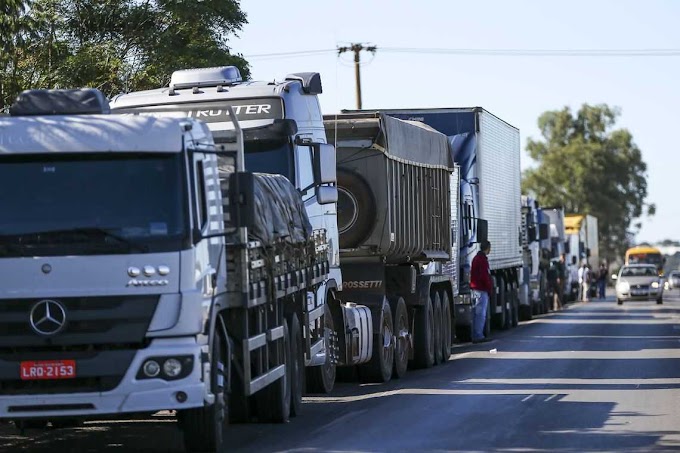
(518, 89)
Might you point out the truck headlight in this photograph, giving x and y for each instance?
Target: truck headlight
(151, 368)
(172, 368)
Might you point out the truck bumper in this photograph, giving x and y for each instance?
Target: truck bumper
(132, 395)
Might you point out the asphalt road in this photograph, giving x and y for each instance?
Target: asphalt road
(594, 377)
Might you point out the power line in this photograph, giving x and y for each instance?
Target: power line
(541, 52)
(491, 52)
(291, 54)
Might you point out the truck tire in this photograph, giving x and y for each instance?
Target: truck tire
(273, 401)
(500, 321)
(515, 304)
(438, 357)
(297, 365)
(423, 336)
(526, 312)
(204, 428)
(401, 334)
(447, 325)
(321, 379)
(379, 368)
(356, 209)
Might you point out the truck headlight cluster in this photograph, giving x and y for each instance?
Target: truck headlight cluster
(167, 368)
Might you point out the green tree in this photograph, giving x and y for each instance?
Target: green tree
(588, 167)
(117, 45)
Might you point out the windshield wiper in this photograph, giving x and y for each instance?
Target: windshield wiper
(89, 232)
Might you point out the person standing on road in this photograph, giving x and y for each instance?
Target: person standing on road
(584, 280)
(554, 285)
(482, 287)
(574, 291)
(602, 280)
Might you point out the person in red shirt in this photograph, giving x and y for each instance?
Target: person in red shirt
(482, 288)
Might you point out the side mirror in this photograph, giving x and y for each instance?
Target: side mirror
(531, 233)
(615, 277)
(543, 231)
(326, 194)
(482, 230)
(324, 164)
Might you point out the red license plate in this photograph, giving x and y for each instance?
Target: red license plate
(48, 369)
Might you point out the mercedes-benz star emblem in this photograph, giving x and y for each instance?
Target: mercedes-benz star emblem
(48, 317)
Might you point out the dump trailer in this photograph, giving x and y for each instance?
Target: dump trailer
(398, 230)
(486, 149)
(146, 270)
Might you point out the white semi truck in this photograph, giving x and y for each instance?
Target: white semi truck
(144, 269)
(376, 324)
(487, 150)
(533, 284)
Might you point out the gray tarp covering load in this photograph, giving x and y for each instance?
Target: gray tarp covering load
(393, 183)
(279, 209)
(419, 143)
(412, 141)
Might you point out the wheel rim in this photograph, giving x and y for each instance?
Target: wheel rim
(430, 332)
(446, 327)
(388, 350)
(329, 370)
(401, 347)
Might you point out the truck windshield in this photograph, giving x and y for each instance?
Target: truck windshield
(268, 156)
(75, 204)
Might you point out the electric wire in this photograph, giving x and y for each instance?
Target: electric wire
(649, 52)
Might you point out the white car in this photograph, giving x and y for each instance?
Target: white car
(638, 282)
(674, 280)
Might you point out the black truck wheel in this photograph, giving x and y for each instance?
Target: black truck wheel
(356, 209)
(423, 340)
(514, 306)
(297, 365)
(204, 428)
(321, 379)
(273, 401)
(447, 324)
(438, 357)
(500, 319)
(379, 368)
(402, 343)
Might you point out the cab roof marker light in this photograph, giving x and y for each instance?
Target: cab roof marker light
(204, 77)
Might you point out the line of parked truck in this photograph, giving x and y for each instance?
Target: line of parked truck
(219, 247)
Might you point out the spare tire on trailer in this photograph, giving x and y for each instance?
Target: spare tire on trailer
(356, 209)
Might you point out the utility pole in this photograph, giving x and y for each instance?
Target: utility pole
(357, 48)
